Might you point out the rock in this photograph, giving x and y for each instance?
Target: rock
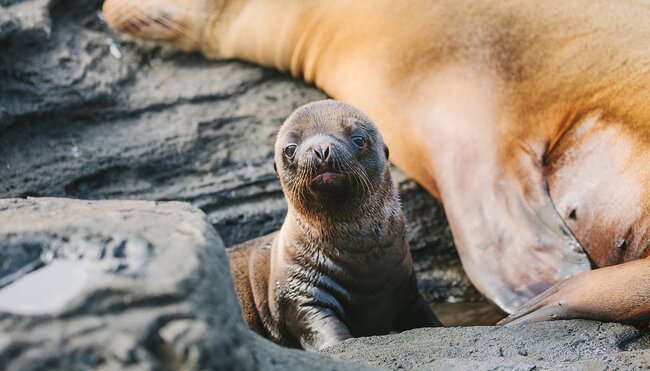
(440, 275)
(90, 114)
(25, 21)
(570, 345)
(123, 285)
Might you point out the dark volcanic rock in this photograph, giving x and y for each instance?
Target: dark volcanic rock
(87, 113)
(570, 345)
(25, 21)
(123, 285)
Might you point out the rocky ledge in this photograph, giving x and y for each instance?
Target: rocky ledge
(115, 285)
(561, 345)
(89, 114)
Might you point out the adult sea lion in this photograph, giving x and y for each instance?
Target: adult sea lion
(529, 120)
(340, 266)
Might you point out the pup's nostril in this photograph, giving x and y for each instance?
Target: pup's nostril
(322, 153)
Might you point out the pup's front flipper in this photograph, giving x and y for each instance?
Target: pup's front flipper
(316, 327)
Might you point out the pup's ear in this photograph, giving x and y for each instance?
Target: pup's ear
(386, 151)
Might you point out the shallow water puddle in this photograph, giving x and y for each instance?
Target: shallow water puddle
(480, 313)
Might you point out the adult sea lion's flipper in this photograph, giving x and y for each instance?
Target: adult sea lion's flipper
(595, 159)
(619, 293)
(178, 22)
(512, 242)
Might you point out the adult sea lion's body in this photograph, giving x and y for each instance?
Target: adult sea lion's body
(340, 266)
(529, 120)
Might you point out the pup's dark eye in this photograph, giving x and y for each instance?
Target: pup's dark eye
(290, 150)
(359, 141)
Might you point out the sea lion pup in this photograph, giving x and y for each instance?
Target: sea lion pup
(340, 266)
(529, 120)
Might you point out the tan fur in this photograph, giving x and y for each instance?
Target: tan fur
(494, 107)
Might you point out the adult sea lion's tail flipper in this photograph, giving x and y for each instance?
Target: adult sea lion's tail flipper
(177, 22)
(619, 293)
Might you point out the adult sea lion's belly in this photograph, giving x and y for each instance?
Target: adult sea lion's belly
(599, 180)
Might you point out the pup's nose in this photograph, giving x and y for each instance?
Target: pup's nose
(322, 153)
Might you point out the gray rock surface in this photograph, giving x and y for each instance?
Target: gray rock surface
(561, 345)
(154, 124)
(24, 20)
(112, 285)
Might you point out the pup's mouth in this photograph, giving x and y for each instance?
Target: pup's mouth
(330, 183)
